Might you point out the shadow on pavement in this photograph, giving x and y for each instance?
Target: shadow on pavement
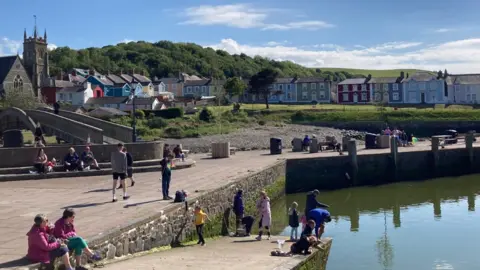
(16, 263)
(140, 203)
(99, 190)
(85, 205)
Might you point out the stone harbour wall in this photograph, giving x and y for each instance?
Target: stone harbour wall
(175, 224)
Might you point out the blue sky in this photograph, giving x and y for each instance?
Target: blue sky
(342, 33)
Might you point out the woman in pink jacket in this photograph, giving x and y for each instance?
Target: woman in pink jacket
(43, 247)
(263, 208)
(64, 229)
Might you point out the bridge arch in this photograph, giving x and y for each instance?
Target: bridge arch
(20, 115)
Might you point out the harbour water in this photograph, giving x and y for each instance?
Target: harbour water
(414, 225)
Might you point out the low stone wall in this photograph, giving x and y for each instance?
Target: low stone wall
(318, 259)
(418, 128)
(20, 157)
(330, 173)
(175, 224)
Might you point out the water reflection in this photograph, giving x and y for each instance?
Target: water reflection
(394, 219)
(352, 203)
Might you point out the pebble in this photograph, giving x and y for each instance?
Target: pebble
(258, 137)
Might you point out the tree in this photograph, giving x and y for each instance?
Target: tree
(22, 99)
(234, 86)
(260, 84)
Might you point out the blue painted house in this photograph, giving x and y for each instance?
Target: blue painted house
(284, 90)
(387, 90)
(101, 81)
(425, 87)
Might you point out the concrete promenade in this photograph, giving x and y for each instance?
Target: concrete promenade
(20, 201)
(224, 253)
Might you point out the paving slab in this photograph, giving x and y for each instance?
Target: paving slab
(20, 201)
(224, 253)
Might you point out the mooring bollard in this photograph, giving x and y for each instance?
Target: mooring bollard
(394, 155)
(435, 146)
(469, 144)
(352, 153)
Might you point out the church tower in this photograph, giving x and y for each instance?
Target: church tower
(35, 59)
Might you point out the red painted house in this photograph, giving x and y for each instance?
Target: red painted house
(49, 93)
(354, 91)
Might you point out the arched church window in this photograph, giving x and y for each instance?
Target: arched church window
(18, 83)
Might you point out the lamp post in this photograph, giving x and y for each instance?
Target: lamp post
(132, 97)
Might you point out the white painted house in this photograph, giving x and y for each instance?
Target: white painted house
(463, 88)
(75, 95)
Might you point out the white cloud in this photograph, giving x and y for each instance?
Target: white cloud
(9, 47)
(443, 30)
(51, 47)
(276, 43)
(462, 56)
(244, 16)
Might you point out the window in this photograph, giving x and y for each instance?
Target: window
(345, 97)
(166, 87)
(432, 85)
(468, 89)
(304, 86)
(288, 86)
(378, 96)
(433, 98)
(204, 89)
(468, 97)
(322, 94)
(422, 86)
(395, 87)
(273, 97)
(304, 95)
(275, 86)
(322, 85)
(364, 87)
(385, 87)
(254, 97)
(396, 96)
(18, 83)
(280, 87)
(474, 97)
(289, 95)
(189, 89)
(364, 96)
(314, 95)
(60, 96)
(70, 95)
(313, 86)
(378, 86)
(197, 89)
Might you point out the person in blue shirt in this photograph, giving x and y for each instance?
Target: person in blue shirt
(306, 143)
(320, 216)
(238, 207)
(72, 162)
(312, 202)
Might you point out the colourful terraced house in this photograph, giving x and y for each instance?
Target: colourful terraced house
(354, 91)
(312, 90)
(387, 90)
(425, 88)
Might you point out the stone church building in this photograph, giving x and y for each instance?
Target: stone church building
(30, 73)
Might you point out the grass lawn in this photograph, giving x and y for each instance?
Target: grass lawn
(373, 72)
(28, 138)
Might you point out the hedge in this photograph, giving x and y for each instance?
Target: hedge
(169, 113)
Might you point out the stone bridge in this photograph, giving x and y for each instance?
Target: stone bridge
(112, 132)
(55, 125)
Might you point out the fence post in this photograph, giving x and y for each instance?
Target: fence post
(469, 145)
(352, 153)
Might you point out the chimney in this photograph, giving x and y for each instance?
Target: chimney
(120, 72)
(369, 77)
(402, 74)
(91, 72)
(408, 75)
(132, 71)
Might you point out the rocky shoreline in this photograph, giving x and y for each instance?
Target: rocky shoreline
(258, 137)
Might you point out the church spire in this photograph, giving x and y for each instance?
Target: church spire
(45, 35)
(24, 34)
(35, 27)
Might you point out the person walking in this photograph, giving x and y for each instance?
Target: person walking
(238, 209)
(263, 207)
(166, 177)
(200, 218)
(129, 168)
(119, 171)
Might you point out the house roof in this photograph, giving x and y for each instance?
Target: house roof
(106, 100)
(465, 79)
(143, 100)
(170, 80)
(198, 82)
(142, 79)
(104, 80)
(284, 80)
(73, 89)
(421, 76)
(384, 80)
(116, 79)
(311, 80)
(353, 81)
(6, 63)
(76, 79)
(126, 77)
(62, 83)
(111, 111)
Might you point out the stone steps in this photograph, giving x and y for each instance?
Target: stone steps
(22, 173)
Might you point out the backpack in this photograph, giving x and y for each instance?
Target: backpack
(179, 196)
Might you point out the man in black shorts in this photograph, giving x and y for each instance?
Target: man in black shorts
(129, 168)
(119, 170)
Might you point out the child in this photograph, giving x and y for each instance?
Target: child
(51, 165)
(200, 218)
(293, 221)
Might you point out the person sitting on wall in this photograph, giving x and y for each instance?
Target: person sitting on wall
(178, 152)
(306, 143)
(387, 131)
(312, 203)
(404, 137)
(88, 159)
(72, 161)
(65, 230)
(41, 161)
(43, 247)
